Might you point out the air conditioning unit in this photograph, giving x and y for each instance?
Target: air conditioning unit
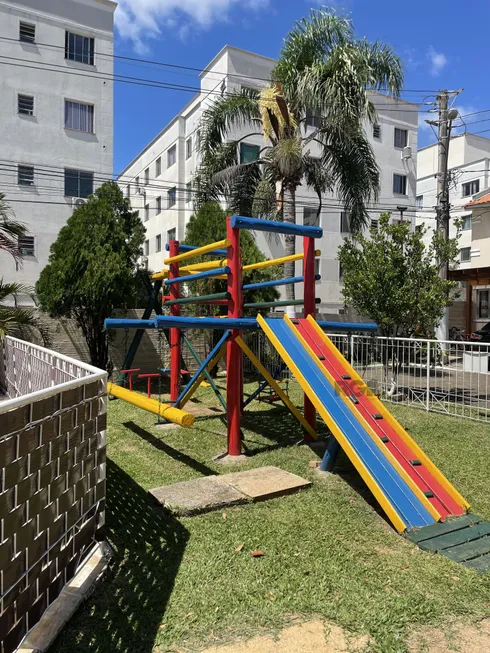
(77, 202)
(407, 152)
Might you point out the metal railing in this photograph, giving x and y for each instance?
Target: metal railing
(450, 377)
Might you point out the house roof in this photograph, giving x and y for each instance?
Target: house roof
(485, 199)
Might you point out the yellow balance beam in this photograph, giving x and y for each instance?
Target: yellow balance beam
(277, 261)
(171, 414)
(273, 383)
(212, 363)
(200, 251)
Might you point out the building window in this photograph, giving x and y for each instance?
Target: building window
(419, 202)
(158, 243)
(401, 138)
(400, 184)
(188, 192)
(25, 105)
(317, 267)
(171, 156)
(465, 254)
(138, 185)
(147, 247)
(171, 197)
(79, 48)
(78, 183)
(310, 217)
(147, 212)
(158, 167)
(466, 223)
(249, 153)
(419, 228)
(25, 175)
(344, 222)
(159, 205)
(341, 273)
(26, 246)
(128, 191)
(27, 32)
(374, 225)
(377, 132)
(471, 188)
(79, 116)
(312, 118)
(483, 303)
(147, 176)
(188, 148)
(171, 233)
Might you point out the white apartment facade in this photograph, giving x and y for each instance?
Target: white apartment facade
(56, 104)
(159, 180)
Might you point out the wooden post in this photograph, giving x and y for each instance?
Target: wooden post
(234, 352)
(175, 334)
(309, 309)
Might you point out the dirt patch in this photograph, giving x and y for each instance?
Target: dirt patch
(300, 638)
(458, 636)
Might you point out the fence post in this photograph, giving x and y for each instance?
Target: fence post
(427, 398)
(351, 347)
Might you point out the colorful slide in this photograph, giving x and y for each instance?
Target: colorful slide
(408, 486)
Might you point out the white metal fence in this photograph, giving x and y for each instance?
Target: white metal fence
(438, 376)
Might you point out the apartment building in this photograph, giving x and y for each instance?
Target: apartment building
(56, 103)
(159, 181)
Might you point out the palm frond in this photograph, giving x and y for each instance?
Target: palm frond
(355, 173)
(10, 230)
(274, 112)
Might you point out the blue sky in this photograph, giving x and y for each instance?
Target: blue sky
(441, 49)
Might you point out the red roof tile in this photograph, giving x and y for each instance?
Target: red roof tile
(482, 200)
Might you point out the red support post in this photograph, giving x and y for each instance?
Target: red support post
(309, 309)
(175, 334)
(234, 369)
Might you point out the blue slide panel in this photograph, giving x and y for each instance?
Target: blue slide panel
(400, 495)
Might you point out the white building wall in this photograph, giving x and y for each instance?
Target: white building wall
(469, 161)
(41, 140)
(231, 69)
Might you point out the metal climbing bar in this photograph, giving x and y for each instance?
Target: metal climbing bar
(203, 366)
(200, 275)
(206, 373)
(284, 302)
(198, 299)
(276, 261)
(189, 248)
(200, 251)
(275, 226)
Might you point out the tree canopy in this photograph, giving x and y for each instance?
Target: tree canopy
(92, 266)
(393, 277)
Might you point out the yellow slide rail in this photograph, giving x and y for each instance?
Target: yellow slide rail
(273, 383)
(171, 414)
(382, 410)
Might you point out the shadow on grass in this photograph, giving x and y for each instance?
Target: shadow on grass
(126, 610)
(167, 449)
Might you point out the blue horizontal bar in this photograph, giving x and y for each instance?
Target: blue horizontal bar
(249, 323)
(273, 226)
(278, 282)
(199, 275)
(190, 248)
(128, 323)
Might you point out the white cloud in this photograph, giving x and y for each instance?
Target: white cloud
(141, 20)
(438, 61)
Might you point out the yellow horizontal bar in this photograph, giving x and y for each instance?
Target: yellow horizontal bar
(169, 413)
(382, 410)
(334, 429)
(160, 275)
(200, 251)
(204, 267)
(273, 383)
(277, 261)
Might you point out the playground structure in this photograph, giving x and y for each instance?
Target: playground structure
(411, 490)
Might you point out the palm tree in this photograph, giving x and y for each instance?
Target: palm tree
(322, 67)
(14, 318)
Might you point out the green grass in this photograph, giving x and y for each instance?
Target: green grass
(178, 584)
